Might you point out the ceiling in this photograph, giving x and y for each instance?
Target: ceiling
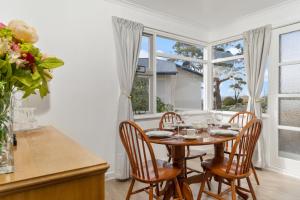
(208, 13)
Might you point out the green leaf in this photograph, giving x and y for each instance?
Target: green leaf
(30, 48)
(27, 81)
(51, 63)
(43, 90)
(6, 33)
(2, 63)
(28, 92)
(9, 70)
(36, 75)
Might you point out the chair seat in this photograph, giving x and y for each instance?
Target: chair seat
(166, 171)
(219, 169)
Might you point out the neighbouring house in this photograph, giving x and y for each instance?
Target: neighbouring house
(178, 83)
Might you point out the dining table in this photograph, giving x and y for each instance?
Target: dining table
(178, 145)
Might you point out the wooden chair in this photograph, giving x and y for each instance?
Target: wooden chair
(144, 167)
(174, 117)
(241, 118)
(235, 167)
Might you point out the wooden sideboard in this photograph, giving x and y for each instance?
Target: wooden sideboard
(51, 166)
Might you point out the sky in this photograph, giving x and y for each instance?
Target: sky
(165, 45)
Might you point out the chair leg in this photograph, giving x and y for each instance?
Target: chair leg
(178, 190)
(251, 188)
(130, 189)
(151, 192)
(239, 182)
(233, 191)
(206, 176)
(255, 175)
(220, 185)
(157, 190)
(170, 158)
(208, 185)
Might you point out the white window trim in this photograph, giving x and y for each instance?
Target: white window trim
(207, 62)
(179, 57)
(153, 55)
(218, 60)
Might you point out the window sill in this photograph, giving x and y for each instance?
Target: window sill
(158, 115)
(189, 113)
(230, 113)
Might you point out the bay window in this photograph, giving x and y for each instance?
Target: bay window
(173, 75)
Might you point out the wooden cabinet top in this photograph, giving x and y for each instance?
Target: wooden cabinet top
(45, 155)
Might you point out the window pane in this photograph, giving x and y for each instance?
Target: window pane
(289, 111)
(230, 87)
(174, 47)
(140, 95)
(144, 61)
(290, 46)
(179, 85)
(289, 144)
(228, 49)
(289, 79)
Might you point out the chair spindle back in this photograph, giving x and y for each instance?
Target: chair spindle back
(242, 119)
(139, 150)
(169, 117)
(243, 148)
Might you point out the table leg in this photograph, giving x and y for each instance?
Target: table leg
(219, 152)
(178, 154)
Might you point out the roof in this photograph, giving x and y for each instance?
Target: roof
(165, 67)
(222, 54)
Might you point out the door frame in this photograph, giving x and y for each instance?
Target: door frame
(285, 165)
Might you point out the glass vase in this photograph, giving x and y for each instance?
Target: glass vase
(6, 133)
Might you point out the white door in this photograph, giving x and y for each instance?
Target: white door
(285, 99)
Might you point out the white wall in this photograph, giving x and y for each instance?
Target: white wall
(84, 93)
(281, 14)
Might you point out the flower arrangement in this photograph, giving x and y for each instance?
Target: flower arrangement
(23, 66)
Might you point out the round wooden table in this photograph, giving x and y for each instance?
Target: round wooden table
(178, 146)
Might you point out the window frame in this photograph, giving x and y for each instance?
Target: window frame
(153, 54)
(231, 58)
(220, 60)
(208, 63)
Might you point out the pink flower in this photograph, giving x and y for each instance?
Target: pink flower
(15, 47)
(2, 25)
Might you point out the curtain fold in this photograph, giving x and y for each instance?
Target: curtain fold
(128, 36)
(256, 50)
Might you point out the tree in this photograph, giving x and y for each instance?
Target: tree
(188, 50)
(237, 87)
(226, 71)
(140, 95)
(222, 71)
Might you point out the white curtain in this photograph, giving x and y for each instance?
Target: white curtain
(128, 36)
(256, 46)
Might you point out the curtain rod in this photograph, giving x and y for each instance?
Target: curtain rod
(273, 28)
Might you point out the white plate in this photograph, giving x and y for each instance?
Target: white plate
(234, 129)
(190, 137)
(224, 132)
(159, 133)
(182, 125)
